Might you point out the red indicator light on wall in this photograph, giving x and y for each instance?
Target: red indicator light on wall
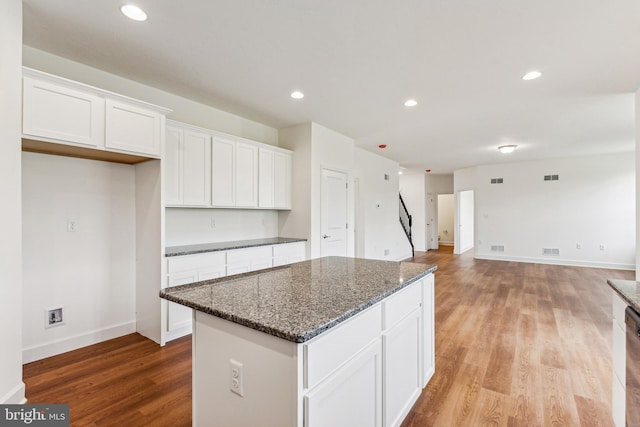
(382, 146)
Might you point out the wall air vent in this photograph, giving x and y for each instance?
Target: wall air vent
(550, 251)
(551, 177)
(496, 180)
(497, 248)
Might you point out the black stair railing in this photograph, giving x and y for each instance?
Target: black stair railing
(405, 220)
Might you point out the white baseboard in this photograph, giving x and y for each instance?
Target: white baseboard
(441, 243)
(15, 396)
(556, 261)
(52, 348)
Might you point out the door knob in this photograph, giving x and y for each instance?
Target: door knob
(324, 236)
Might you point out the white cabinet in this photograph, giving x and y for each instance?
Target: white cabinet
(63, 114)
(187, 167)
(223, 173)
(274, 179)
(181, 271)
(234, 174)
(249, 259)
(428, 329)
(133, 129)
(350, 397)
(618, 402)
(288, 253)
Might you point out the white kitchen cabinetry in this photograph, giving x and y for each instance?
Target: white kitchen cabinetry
(249, 259)
(246, 175)
(428, 329)
(288, 253)
(61, 111)
(274, 179)
(223, 173)
(366, 371)
(63, 114)
(187, 167)
(618, 395)
(182, 270)
(133, 129)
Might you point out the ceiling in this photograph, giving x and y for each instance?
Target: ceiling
(357, 61)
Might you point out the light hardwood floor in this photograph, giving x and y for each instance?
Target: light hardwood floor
(516, 345)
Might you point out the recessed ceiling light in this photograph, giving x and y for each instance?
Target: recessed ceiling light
(532, 75)
(506, 149)
(297, 94)
(410, 103)
(132, 11)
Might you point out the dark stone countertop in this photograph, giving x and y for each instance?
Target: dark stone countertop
(296, 302)
(224, 246)
(629, 290)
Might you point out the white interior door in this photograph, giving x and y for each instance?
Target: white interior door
(432, 222)
(464, 237)
(333, 217)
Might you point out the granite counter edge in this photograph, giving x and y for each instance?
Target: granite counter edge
(234, 245)
(299, 337)
(615, 284)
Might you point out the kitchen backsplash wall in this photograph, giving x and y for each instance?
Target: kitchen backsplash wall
(191, 226)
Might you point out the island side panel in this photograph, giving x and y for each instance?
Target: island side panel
(271, 368)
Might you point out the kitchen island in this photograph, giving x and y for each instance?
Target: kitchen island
(327, 342)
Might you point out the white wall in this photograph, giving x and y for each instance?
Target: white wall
(592, 204)
(315, 147)
(379, 208)
(11, 385)
(439, 183)
(191, 226)
(446, 229)
(90, 272)
(638, 185)
(412, 188)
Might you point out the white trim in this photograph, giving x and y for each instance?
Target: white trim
(52, 348)
(567, 262)
(15, 396)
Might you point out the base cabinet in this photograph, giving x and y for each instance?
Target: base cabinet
(618, 395)
(366, 371)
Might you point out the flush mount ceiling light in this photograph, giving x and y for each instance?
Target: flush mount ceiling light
(296, 94)
(532, 75)
(506, 149)
(132, 11)
(410, 103)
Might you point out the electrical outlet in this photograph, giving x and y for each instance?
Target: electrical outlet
(236, 377)
(602, 247)
(578, 246)
(213, 222)
(72, 226)
(386, 252)
(53, 317)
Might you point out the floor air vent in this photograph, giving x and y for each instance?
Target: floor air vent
(550, 251)
(497, 248)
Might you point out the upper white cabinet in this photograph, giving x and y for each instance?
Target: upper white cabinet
(234, 173)
(187, 167)
(274, 179)
(62, 113)
(132, 128)
(65, 112)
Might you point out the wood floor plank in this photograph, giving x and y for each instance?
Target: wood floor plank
(516, 345)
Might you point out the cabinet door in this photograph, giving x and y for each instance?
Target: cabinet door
(246, 175)
(402, 368)
(282, 181)
(179, 316)
(222, 172)
(288, 253)
(352, 396)
(172, 163)
(249, 259)
(132, 129)
(60, 113)
(266, 178)
(196, 169)
(428, 330)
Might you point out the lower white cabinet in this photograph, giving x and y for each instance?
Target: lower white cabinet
(185, 269)
(352, 395)
(367, 371)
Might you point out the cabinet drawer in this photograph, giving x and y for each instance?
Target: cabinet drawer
(196, 261)
(619, 306)
(289, 250)
(329, 351)
(248, 254)
(402, 302)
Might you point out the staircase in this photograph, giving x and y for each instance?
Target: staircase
(405, 221)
